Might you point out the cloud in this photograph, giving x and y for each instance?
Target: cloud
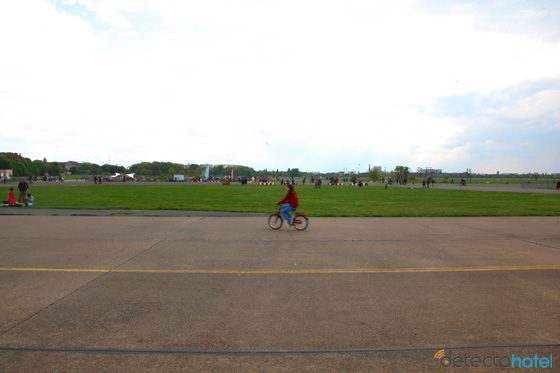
(111, 12)
(519, 124)
(540, 108)
(327, 84)
(535, 20)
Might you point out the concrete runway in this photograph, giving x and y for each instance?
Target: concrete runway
(115, 293)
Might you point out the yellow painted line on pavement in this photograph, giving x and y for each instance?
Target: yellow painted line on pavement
(288, 271)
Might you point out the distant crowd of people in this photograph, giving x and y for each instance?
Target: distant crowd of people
(26, 199)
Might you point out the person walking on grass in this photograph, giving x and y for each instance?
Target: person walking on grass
(292, 202)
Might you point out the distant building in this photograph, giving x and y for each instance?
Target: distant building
(68, 165)
(7, 173)
(429, 171)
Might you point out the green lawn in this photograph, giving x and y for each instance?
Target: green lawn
(497, 181)
(327, 201)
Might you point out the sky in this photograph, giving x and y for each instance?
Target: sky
(318, 85)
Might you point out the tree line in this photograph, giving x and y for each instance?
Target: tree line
(22, 166)
(26, 167)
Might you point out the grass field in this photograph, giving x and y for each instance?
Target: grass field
(500, 181)
(327, 201)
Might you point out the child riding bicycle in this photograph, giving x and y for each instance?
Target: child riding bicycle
(292, 202)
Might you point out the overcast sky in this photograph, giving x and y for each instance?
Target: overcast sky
(317, 85)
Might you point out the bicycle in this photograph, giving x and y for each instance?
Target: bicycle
(300, 220)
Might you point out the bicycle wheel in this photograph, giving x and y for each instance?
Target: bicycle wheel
(300, 222)
(275, 221)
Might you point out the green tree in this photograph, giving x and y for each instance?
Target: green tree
(6, 162)
(39, 168)
(218, 171)
(401, 173)
(193, 168)
(374, 174)
(19, 166)
(111, 169)
(294, 172)
(244, 171)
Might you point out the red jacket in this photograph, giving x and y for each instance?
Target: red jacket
(291, 198)
(11, 199)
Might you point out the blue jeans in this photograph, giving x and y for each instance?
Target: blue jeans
(285, 212)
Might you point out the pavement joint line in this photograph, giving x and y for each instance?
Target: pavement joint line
(93, 350)
(288, 271)
(101, 271)
(50, 305)
(544, 245)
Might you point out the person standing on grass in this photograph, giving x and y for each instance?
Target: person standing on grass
(22, 186)
(292, 203)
